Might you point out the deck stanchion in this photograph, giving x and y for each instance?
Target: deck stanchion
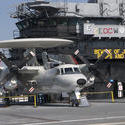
(113, 100)
(35, 101)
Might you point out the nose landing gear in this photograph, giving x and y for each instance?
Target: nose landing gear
(78, 100)
(75, 98)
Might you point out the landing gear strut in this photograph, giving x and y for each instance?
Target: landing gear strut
(75, 98)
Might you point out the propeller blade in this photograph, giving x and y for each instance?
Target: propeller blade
(28, 57)
(94, 68)
(6, 78)
(13, 68)
(102, 57)
(8, 63)
(84, 60)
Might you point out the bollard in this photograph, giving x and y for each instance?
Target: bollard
(35, 101)
(113, 100)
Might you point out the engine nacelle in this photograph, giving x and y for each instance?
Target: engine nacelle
(12, 84)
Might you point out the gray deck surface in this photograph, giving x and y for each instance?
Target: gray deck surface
(96, 114)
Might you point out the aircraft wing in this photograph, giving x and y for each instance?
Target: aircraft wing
(26, 71)
(34, 43)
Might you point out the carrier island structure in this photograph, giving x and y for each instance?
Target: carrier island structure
(94, 26)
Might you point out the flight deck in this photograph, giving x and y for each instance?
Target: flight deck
(62, 114)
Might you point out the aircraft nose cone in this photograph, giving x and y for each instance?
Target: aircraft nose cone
(81, 82)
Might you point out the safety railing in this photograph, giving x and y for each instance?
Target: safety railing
(106, 92)
(18, 97)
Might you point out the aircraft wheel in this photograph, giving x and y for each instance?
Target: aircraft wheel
(7, 101)
(77, 103)
(72, 103)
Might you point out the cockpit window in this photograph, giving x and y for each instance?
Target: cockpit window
(68, 71)
(58, 72)
(62, 72)
(76, 70)
(92, 1)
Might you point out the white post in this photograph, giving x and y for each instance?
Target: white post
(120, 90)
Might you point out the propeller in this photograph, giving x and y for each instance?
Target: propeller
(10, 78)
(93, 69)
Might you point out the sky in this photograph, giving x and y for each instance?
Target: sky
(7, 24)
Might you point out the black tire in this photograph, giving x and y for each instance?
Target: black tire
(7, 101)
(76, 103)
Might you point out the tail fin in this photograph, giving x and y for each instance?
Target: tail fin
(45, 59)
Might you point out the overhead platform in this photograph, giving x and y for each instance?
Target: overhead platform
(43, 6)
